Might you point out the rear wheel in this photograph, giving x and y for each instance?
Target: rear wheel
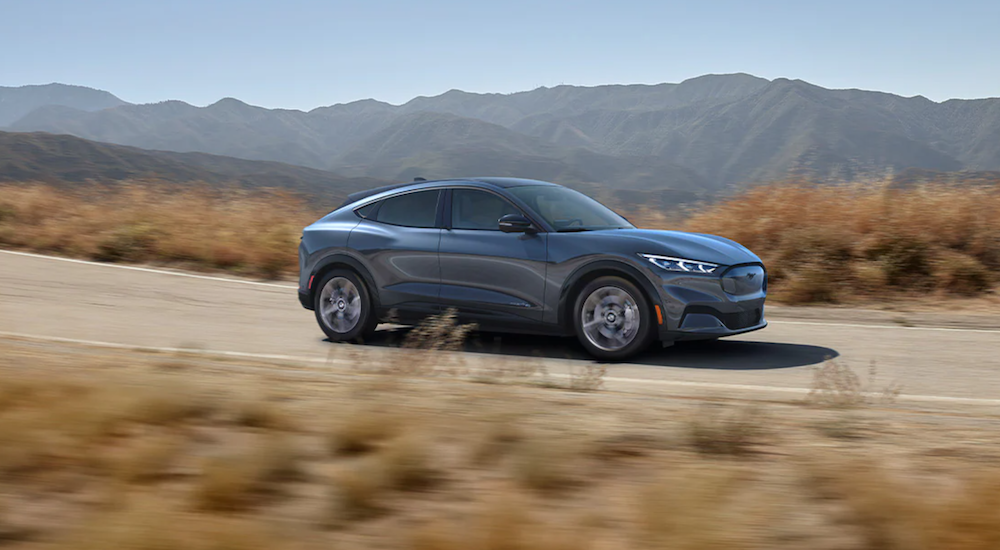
(613, 319)
(343, 307)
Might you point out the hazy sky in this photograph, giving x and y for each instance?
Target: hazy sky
(306, 53)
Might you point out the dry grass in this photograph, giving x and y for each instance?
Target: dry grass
(588, 378)
(895, 513)
(356, 493)
(149, 459)
(248, 232)
(235, 481)
(361, 429)
(826, 244)
(720, 430)
(835, 384)
(441, 463)
(505, 522)
(693, 509)
(497, 436)
(407, 462)
(46, 423)
(547, 463)
(148, 524)
(263, 413)
(822, 244)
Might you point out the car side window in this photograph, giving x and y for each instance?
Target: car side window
(417, 209)
(473, 209)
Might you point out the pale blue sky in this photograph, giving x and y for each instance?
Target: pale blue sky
(306, 53)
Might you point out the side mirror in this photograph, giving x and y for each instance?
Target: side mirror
(515, 223)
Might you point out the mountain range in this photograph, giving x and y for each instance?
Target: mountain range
(64, 160)
(701, 136)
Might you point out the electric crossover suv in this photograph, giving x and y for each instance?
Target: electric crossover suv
(518, 255)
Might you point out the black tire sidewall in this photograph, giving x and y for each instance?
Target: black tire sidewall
(367, 321)
(642, 339)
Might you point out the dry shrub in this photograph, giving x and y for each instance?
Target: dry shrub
(234, 481)
(816, 238)
(150, 524)
(587, 378)
(251, 231)
(694, 509)
(506, 370)
(962, 274)
(504, 522)
(837, 385)
(547, 463)
(439, 333)
(356, 492)
(810, 284)
(149, 458)
(166, 399)
(898, 514)
(498, 437)
(50, 423)
(262, 413)
(844, 426)
(722, 430)
(406, 462)
(362, 428)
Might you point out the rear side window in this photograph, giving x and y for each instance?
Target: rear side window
(411, 210)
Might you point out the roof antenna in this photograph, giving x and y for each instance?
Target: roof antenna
(418, 178)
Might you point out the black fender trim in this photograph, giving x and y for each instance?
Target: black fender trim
(331, 262)
(606, 266)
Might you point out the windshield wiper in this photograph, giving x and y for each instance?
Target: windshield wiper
(573, 229)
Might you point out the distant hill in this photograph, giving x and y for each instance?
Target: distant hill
(700, 136)
(15, 103)
(68, 160)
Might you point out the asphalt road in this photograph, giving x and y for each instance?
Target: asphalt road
(946, 359)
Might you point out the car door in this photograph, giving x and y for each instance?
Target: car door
(488, 275)
(399, 238)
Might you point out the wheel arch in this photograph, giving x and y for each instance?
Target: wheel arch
(342, 261)
(587, 273)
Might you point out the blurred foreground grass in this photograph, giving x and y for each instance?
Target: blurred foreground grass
(821, 244)
(135, 450)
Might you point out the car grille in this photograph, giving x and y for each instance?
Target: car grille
(733, 321)
(745, 279)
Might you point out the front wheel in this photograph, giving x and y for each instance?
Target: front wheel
(612, 318)
(343, 307)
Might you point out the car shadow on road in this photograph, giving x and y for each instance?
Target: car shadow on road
(719, 354)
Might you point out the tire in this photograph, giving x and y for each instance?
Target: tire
(612, 319)
(343, 307)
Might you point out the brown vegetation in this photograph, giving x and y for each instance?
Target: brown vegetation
(824, 244)
(362, 460)
(248, 232)
(821, 244)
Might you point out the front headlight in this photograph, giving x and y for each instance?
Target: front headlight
(680, 264)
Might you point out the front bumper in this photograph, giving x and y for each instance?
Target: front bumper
(700, 308)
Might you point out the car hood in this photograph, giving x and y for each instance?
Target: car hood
(691, 246)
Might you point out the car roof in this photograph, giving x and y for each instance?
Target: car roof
(502, 183)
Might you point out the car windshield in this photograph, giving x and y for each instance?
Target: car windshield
(567, 210)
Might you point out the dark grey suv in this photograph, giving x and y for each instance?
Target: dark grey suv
(516, 255)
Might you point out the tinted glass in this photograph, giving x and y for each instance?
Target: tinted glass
(471, 209)
(568, 210)
(412, 209)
